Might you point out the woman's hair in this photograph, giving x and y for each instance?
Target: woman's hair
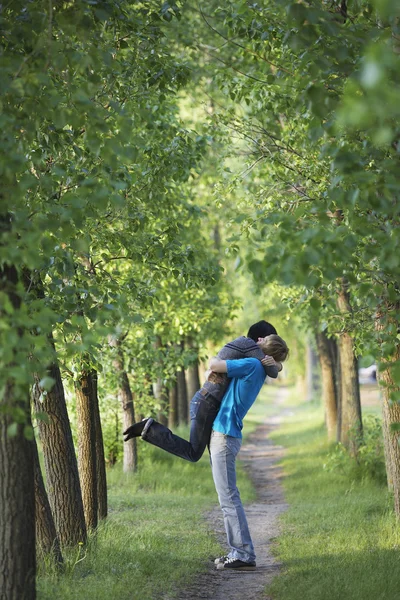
(276, 347)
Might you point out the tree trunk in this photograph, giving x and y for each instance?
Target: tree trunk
(161, 394)
(338, 378)
(192, 375)
(87, 460)
(128, 410)
(387, 419)
(47, 541)
(100, 458)
(183, 412)
(391, 415)
(160, 390)
(311, 372)
(17, 506)
(173, 416)
(329, 393)
(61, 467)
(351, 423)
(17, 498)
(391, 409)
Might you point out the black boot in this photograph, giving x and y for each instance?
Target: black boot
(135, 430)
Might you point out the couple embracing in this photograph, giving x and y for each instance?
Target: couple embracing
(216, 411)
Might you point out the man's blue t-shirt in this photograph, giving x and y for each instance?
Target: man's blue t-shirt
(248, 377)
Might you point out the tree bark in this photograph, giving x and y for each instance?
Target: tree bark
(391, 410)
(160, 390)
(351, 422)
(183, 412)
(161, 394)
(128, 410)
(311, 372)
(87, 460)
(387, 419)
(173, 417)
(329, 391)
(391, 415)
(192, 375)
(100, 457)
(61, 467)
(47, 541)
(17, 510)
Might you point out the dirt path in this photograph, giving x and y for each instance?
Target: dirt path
(259, 455)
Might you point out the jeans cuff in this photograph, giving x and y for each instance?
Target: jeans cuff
(147, 427)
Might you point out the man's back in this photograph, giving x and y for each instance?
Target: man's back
(248, 377)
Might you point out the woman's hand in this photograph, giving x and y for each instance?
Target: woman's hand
(268, 361)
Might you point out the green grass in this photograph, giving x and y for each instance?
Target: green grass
(340, 539)
(155, 538)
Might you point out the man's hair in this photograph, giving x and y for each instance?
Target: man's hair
(276, 347)
(261, 329)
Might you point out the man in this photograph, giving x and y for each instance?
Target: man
(205, 403)
(247, 380)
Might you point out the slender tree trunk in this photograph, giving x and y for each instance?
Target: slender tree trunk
(173, 416)
(391, 415)
(311, 372)
(202, 373)
(161, 394)
(87, 460)
(351, 423)
(128, 410)
(61, 467)
(391, 409)
(47, 541)
(160, 390)
(328, 382)
(192, 375)
(193, 380)
(183, 412)
(338, 377)
(387, 419)
(100, 458)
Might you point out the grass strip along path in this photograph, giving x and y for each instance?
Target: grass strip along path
(339, 539)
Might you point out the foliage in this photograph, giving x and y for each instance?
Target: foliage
(96, 166)
(311, 97)
(369, 462)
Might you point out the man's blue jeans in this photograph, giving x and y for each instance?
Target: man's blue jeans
(223, 450)
(203, 410)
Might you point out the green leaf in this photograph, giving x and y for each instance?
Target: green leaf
(47, 383)
(12, 430)
(42, 416)
(28, 432)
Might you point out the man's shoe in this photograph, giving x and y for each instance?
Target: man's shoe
(234, 564)
(220, 560)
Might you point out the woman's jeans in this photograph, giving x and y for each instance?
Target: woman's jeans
(203, 410)
(223, 450)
